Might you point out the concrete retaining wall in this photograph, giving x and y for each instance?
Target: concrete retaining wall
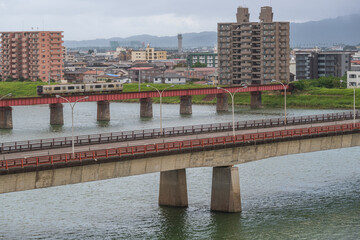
(212, 158)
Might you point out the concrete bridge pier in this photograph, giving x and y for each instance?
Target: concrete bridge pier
(6, 118)
(103, 111)
(255, 100)
(225, 193)
(186, 105)
(146, 108)
(173, 189)
(222, 102)
(56, 114)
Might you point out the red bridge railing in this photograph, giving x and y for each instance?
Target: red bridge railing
(173, 146)
(134, 95)
(82, 140)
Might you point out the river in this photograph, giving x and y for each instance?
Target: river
(304, 196)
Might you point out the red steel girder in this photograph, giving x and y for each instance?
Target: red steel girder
(135, 95)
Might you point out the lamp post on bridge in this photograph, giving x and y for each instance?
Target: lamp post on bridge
(72, 105)
(233, 104)
(353, 87)
(285, 87)
(160, 93)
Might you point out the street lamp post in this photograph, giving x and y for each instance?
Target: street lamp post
(341, 81)
(285, 87)
(72, 105)
(233, 105)
(354, 107)
(160, 93)
(7, 95)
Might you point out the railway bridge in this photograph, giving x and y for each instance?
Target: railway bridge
(103, 102)
(171, 156)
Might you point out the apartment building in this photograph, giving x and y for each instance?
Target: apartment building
(149, 54)
(253, 52)
(32, 55)
(210, 59)
(315, 64)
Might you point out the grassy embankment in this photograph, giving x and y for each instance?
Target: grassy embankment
(307, 94)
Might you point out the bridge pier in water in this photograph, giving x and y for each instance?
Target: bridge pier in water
(173, 188)
(146, 108)
(255, 100)
(6, 118)
(186, 105)
(103, 111)
(225, 192)
(56, 114)
(222, 104)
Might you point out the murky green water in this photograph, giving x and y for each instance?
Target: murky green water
(304, 196)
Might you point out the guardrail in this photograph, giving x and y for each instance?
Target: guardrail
(172, 146)
(50, 143)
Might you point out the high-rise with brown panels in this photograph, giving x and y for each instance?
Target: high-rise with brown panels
(31, 55)
(253, 52)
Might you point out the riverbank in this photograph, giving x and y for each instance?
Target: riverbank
(314, 97)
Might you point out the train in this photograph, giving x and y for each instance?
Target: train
(71, 89)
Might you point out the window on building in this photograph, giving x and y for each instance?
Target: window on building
(352, 75)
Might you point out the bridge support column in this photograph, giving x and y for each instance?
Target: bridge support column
(222, 102)
(103, 111)
(225, 193)
(146, 108)
(173, 189)
(6, 118)
(186, 105)
(56, 114)
(255, 100)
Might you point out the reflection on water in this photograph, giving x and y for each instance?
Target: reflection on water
(305, 196)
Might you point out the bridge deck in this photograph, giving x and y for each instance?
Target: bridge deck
(106, 138)
(160, 146)
(135, 95)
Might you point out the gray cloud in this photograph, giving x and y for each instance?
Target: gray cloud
(87, 19)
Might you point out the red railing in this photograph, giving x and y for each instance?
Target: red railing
(82, 140)
(134, 95)
(172, 146)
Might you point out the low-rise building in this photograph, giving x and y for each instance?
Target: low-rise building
(209, 59)
(149, 54)
(315, 64)
(353, 79)
(170, 78)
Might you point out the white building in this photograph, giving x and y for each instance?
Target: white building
(353, 79)
(170, 78)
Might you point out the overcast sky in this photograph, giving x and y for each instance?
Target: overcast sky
(90, 19)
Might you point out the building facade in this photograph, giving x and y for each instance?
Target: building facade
(149, 54)
(253, 52)
(170, 78)
(210, 59)
(315, 64)
(353, 79)
(32, 55)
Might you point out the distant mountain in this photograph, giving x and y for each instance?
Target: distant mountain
(189, 40)
(327, 32)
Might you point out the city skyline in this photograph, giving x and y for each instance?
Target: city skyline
(81, 20)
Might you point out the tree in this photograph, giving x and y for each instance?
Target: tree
(199, 65)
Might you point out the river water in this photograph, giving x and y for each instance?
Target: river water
(304, 196)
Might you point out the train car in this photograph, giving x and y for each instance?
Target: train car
(69, 89)
(103, 87)
(60, 89)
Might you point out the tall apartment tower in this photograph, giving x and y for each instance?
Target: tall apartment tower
(179, 43)
(253, 52)
(31, 55)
